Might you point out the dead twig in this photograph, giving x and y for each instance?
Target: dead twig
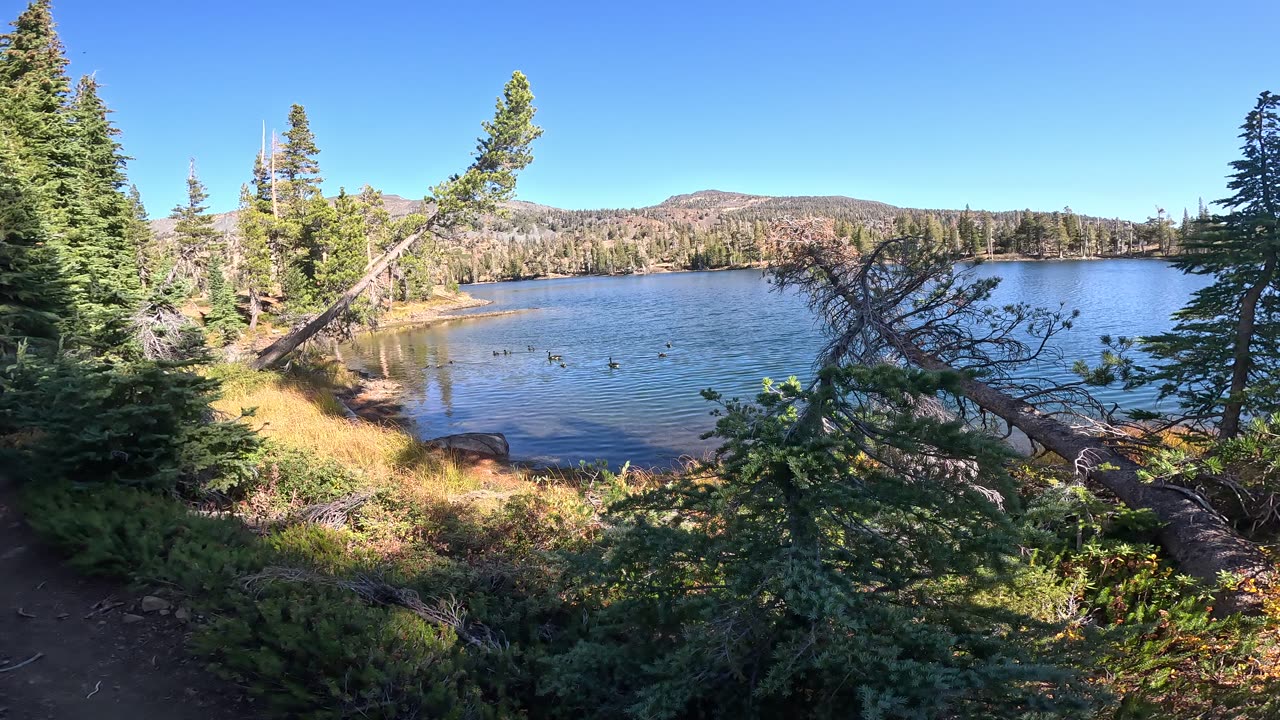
(28, 661)
(96, 688)
(102, 606)
(24, 613)
(446, 612)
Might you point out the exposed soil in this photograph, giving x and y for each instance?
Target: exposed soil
(93, 665)
(376, 400)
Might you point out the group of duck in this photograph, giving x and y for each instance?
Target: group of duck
(554, 358)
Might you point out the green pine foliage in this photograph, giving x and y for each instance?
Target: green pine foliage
(504, 151)
(824, 574)
(1222, 358)
(298, 168)
(194, 232)
(32, 296)
(257, 274)
(345, 252)
(223, 318)
(139, 423)
(33, 74)
(75, 166)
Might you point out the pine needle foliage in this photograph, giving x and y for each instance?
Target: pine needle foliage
(32, 296)
(1222, 358)
(826, 572)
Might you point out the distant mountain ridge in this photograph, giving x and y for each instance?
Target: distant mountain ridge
(717, 201)
(716, 229)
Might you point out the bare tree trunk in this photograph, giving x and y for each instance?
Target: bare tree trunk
(287, 344)
(255, 309)
(1241, 357)
(1197, 537)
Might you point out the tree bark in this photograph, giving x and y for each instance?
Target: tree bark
(255, 309)
(1241, 357)
(1196, 536)
(287, 344)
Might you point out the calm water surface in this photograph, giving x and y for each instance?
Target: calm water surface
(727, 330)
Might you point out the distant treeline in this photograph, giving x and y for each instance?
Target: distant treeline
(719, 230)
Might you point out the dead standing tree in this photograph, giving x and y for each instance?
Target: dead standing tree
(905, 302)
(490, 180)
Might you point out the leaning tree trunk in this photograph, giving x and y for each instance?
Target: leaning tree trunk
(1196, 536)
(1241, 357)
(287, 344)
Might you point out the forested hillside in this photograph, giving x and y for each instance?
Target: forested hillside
(713, 229)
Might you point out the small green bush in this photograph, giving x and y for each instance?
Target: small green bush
(145, 424)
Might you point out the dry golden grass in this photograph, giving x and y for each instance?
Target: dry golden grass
(408, 311)
(299, 411)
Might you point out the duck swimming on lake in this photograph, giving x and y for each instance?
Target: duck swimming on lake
(662, 355)
(553, 358)
(613, 365)
(530, 348)
(668, 343)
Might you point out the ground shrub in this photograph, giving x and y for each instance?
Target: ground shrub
(145, 424)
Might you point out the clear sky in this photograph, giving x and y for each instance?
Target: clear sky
(1109, 107)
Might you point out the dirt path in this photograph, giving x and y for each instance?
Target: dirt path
(138, 669)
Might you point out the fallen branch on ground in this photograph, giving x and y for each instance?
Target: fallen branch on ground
(446, 612)
(28, 661)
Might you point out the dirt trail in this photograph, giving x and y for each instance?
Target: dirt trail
(138, 669)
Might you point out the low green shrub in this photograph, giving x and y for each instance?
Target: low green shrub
(145, 424)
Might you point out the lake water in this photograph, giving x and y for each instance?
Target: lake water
(727, 330)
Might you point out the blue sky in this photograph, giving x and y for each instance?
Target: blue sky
(1109, 107)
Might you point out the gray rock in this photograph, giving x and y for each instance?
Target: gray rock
(151, 603)
(130, 618)
(182, 613)
(492, 445)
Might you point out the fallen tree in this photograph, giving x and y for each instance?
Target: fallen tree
(456, 203)
(905, 302)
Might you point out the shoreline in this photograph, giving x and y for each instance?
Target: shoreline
(763, 265)
(444, 317)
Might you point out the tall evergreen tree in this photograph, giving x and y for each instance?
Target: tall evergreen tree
(101, 222)
(223, 317)
(141, 238)
(297, 165)
(255, 224)
(36, 88)
(77, 171)
(31, 293)
(1222, 358)
(345, 253)
(194, 230)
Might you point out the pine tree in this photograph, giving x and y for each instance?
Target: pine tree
(140, 237)
(36, 88)
(1222, 358)
(223, 317)
(103, 224)
(31, 292)
(255, 224)
(193, 231)
(297, 165)
(307, 228)
(345, 253)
